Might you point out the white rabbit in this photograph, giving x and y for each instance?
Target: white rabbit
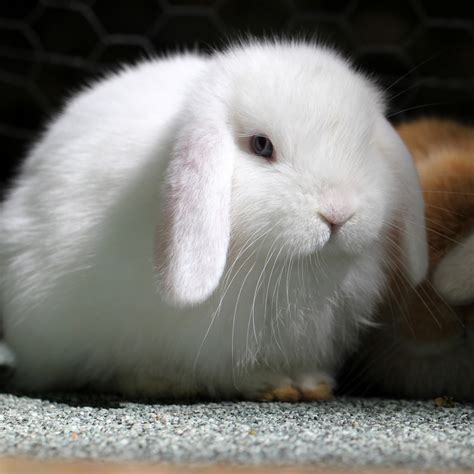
(207, 226)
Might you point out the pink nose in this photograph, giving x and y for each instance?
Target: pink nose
(335, 219)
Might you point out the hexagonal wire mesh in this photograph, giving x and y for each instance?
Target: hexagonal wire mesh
(421, 51)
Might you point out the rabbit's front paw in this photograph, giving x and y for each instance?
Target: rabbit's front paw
(305, 387)
(316, 387)
(285, 393)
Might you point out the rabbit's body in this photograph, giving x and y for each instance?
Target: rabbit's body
(95, 289)
(68, 231)
(424, 346)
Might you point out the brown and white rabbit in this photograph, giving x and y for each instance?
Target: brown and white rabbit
(424, 346)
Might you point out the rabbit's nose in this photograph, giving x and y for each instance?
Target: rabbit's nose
(335, 218)
(336, 207)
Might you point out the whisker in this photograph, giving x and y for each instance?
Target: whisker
(444, 209)
(277, 318)
(413, 86)
(398, 284)
(248, 243)
(413, 69)
(288, 271)
(269, 282)
(219, 306)
(235, 316)
(426, 281)
(415, 289)
(259, 284)
(416, 107)
(446, 192)
(431, 229)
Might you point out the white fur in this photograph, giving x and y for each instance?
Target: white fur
(454, 275)
(145, 249)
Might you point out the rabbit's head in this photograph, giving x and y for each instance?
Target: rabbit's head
(284, 143)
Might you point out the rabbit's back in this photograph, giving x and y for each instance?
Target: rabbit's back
(74, 185)
(91, 151)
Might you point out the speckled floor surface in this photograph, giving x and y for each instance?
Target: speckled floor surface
(346, 431)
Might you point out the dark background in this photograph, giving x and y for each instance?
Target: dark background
(423, 49)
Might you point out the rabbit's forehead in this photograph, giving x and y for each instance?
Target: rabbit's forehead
(302, 99)
(311, 113)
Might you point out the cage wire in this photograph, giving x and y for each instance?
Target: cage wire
(421, 52)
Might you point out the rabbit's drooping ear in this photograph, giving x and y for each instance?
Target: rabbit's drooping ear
(192, 243)
(411, 210)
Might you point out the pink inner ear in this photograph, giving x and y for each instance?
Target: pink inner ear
(191, 246)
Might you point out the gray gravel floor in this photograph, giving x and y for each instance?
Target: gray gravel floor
(345, 431)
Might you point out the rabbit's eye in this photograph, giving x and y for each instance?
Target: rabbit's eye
(262, 146)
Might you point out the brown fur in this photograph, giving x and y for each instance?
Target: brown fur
(444, 155)
(421, 347)
(443, 151)
(426, 137)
